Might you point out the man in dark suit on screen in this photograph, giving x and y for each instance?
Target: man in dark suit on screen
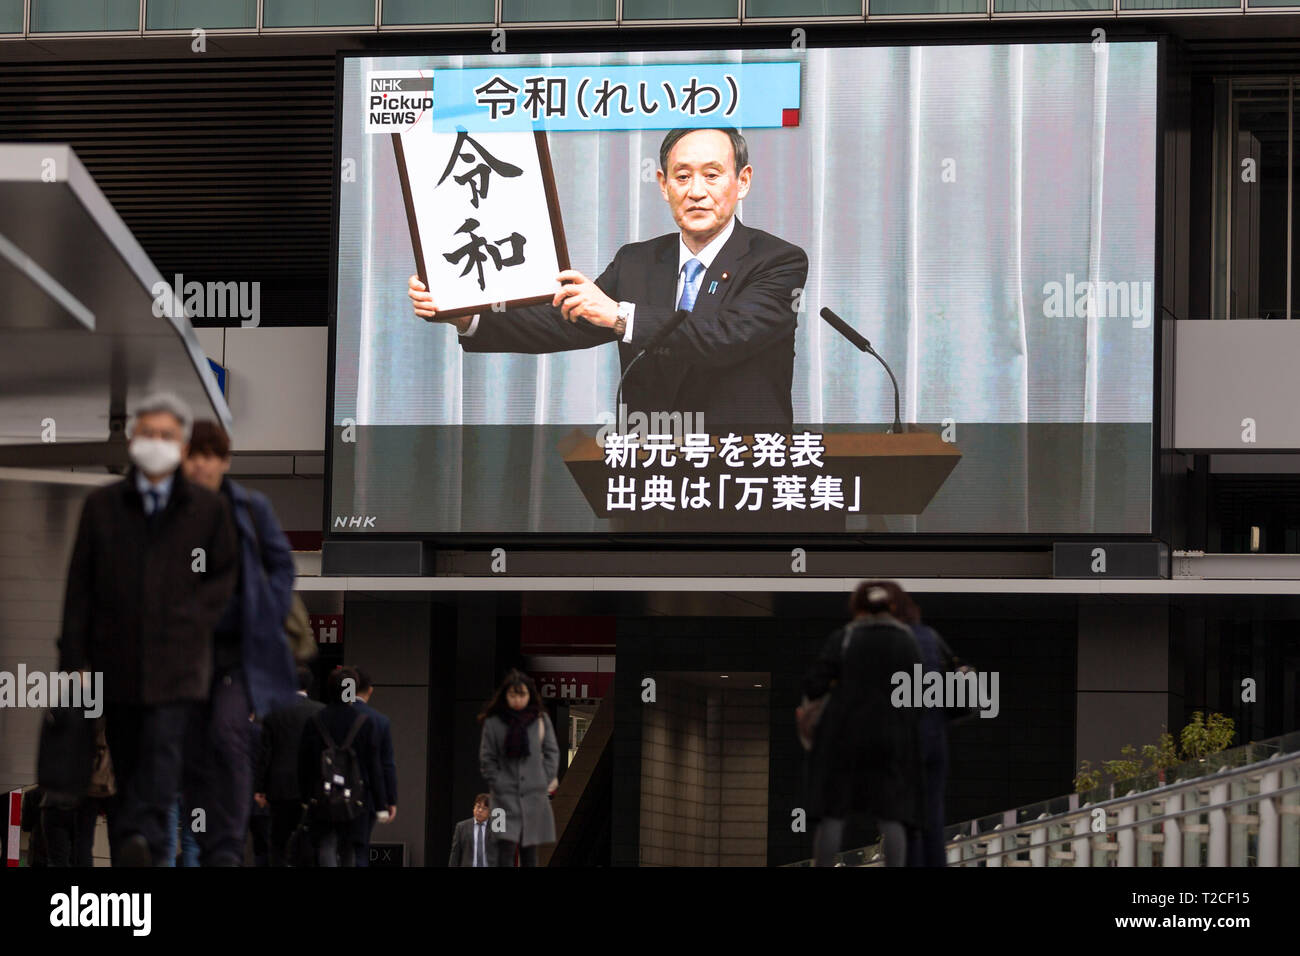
(732, 359)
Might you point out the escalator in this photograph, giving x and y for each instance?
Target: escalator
(583, 804)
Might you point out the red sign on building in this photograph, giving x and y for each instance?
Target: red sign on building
(574, 685)
(328, 628)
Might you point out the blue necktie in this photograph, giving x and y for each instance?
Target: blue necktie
(693, 268)
(155, 499)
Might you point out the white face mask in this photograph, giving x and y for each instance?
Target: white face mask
(155, 456)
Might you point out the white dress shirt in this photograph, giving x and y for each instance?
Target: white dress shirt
(684, 255)
(163, 488)
(480, 842)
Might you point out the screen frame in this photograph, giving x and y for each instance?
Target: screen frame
(824, 36)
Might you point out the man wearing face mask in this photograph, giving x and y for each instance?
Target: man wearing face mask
(153, 567)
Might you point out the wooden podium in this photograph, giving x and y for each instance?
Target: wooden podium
(895, 475)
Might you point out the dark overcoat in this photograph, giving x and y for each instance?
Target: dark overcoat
(144, 594)
(262, 601)
(866, 754)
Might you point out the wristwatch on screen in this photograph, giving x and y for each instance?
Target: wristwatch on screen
(620, 323)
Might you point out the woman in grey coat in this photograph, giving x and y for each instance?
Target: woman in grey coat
(519, 757)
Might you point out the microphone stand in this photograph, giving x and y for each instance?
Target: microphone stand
(899, 427)
(658, 339)
(862, 345)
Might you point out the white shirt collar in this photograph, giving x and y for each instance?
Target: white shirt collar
(709, 252)
(163, 487)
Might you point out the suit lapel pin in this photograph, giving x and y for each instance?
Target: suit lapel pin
(713, 287)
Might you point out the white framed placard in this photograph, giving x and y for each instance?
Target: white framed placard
(484, 217)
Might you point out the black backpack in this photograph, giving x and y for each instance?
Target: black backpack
(341, 790)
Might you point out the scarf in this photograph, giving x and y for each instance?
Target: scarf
(517, 724)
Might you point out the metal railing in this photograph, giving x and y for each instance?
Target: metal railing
(1240, 807)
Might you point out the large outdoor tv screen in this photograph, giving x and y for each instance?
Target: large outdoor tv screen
(623, 265)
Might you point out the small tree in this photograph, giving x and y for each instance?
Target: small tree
(1161, 755)
(1126, 769)
(1205, 736)
(1202, 737)
(1220, 730)
(1087, 778)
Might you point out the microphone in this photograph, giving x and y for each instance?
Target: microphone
(656, 340)
(850, 333)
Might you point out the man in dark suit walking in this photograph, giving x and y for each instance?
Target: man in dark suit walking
(365, 825)
(336, 727)
(253, 669)
(474, 843)
(154, 565)
(732, 359)
(277, 766)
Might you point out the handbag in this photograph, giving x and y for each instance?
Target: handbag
(806, 718)
(66, 758)
(297, 623)
(297, 630)
(960, 715)
(541, 736)
(954, 715)
(102, 782)
(809, 712)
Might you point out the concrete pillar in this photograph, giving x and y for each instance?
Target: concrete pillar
(1123, 691)
(472, 651)
(1038, 843)
(993, 851)
(1173, 845)
(38, 524)
(1270, 833)
(1288, 809)
(390, 640)
(1193, 829)
(1082, 842)
(1218, 815)
(1126, 839)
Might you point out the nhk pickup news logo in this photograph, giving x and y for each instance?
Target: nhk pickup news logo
(396, 100)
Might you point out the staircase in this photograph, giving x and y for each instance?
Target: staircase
(583, 803)
(1236, 808)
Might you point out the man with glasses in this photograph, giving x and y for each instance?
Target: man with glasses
(474, 843)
